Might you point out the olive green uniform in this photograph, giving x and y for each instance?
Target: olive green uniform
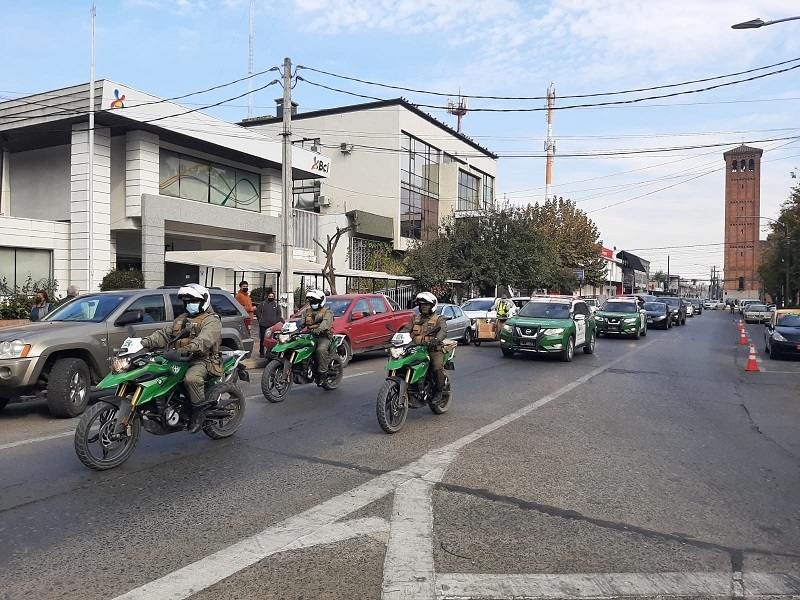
(202, 345)
(420, 329)
(321, 332)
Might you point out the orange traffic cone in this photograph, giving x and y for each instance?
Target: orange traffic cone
(741, 325)
(752, 363)
(742, 339)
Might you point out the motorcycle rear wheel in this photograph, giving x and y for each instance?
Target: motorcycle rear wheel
(333, 377)
(439, 408)
(93, 443)
(222, 428)
(391, 409)
(275, 384)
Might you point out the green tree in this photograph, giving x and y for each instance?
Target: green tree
(782, 251)
(122, 280)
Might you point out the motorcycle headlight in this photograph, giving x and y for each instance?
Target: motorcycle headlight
(120, 364)
(283, 338)
(558, 331)
(396, 351)
(14, 349)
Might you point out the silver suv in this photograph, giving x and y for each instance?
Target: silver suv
(64, 354)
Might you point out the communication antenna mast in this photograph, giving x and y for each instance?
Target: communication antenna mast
(549, 144)
(250, 62)
(459, 109)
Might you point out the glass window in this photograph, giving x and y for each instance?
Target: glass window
(17, 265)
(223, 306)
(177, 305)
(222, 185)
(94, 308)
(152, 307)
(743, 166)
(734, 166)
(467, 191)
(194, 179)
(447, 312)
(751, 165)
(248, 192)
(488, 191)
(378, 305)
(361, 307)
(338, 306)
(170, 173)
(457, 312)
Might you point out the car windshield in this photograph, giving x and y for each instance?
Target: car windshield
(88, 308)
(757, 308)
(672, 301)
(546, 310)
(338, 306)
(478, 305)
(789, 320)
(619, 307)
(659, 307)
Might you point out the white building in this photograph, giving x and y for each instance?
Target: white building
(158, 177)
(396, 173)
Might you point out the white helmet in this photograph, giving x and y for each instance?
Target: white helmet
(315, 297)
(192, 292)
(425, 298)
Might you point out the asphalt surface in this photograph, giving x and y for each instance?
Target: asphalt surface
(654, 467)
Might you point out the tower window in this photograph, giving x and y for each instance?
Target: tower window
(743, 166)
(733, 166)
(752, 165)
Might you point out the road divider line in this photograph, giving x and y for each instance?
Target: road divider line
(44, 438)
(357, 374)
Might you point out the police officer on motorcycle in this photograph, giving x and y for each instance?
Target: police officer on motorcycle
(202, 344)
(318, 320)
(421, 329)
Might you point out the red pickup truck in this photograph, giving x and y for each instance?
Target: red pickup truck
(362, 318)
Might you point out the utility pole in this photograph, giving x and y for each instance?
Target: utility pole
(549, 144)
(669, 281)
(250, 61)
(90, 187)
(287, 275)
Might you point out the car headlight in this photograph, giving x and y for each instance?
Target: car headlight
(629, 320)
(120, 364)
(778, 337)
(396, 351)
(557, 331)
(283, 338)
(14, 349)
(507, 327)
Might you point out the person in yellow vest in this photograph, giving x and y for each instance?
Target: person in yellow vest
(504, 308)
(421, 329)
(202, 345)
(318, 320)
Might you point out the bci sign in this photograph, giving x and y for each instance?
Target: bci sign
(320, 164)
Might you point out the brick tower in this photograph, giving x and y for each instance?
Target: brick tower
(742, 208)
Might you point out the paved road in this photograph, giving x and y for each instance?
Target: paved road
(653, 467)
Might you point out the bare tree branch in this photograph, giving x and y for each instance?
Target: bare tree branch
(328, 271)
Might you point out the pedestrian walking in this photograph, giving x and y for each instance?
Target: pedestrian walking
(268, 314)
(243, 298)
(42, 306)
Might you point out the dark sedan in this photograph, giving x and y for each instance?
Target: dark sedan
(677, 308)
(782, 335)
(658, 315)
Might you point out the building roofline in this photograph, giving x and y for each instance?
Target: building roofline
(402, 102)
(743, 149)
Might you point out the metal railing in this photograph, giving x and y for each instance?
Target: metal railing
(306, 227)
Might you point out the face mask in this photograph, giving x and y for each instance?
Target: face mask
(314, 305)
(425, 309)
(193, 309)
(270, 299)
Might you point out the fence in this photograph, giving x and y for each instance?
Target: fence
(305, 229)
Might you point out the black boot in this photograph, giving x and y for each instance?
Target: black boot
(198, 418)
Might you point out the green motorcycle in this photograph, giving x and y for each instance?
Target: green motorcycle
(295, 363)
(150, 395)
(408, 384)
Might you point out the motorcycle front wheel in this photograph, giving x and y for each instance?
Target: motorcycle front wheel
(275, 384)
(333, 377)
(441, 407)
(95, 443)
(230, 398)
(391, 408)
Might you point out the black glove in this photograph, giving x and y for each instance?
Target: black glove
(172, 355)
(432, 345)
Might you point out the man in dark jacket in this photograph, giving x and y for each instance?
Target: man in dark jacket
(268, 314)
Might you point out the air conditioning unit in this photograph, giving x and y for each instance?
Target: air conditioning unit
(346, 148)
(324, 201)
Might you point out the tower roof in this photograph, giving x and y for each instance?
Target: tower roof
(744, 150)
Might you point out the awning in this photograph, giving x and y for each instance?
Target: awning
(263, 262)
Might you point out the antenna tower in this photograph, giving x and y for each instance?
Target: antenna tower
(250, 62)
(459, 109)
(549, 144)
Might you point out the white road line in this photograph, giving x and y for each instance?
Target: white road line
(44, 438)
(473, 586)
(212, 569)
(357, 374)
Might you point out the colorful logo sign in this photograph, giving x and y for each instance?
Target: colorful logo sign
(320, 165)
(118, 103)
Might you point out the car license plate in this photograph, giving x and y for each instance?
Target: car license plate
(528, 343)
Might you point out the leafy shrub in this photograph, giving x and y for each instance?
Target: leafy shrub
(122, 280)
(16, 302)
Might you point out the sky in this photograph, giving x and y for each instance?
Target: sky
(649, 172)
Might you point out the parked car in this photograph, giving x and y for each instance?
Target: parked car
(757, 313)
(689, 308)
(592, 303)
(677, 308)
(658, 315)
(782, 333)
(621, 316)
(459, 325)
(64, 354)
(743, 304)
(696, 304)
(719, 304)
(709, 304)
(362, 319)
(552, 325)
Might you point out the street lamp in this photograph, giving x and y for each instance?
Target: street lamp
(786, 240)
(756, 23)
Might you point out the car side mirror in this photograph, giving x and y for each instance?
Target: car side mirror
(130, 316)
(357, 316)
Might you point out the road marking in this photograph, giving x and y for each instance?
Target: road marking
(357, 374)
(212, 569)
(44, 438)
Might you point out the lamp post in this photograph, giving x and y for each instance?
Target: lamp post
(785, 239)
(756, 23)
